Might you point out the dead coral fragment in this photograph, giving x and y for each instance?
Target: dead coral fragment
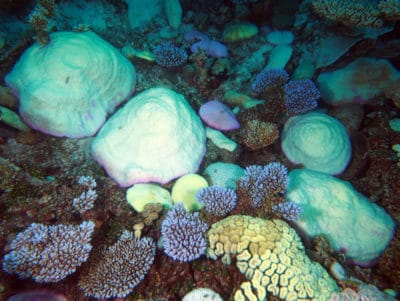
(257, 134)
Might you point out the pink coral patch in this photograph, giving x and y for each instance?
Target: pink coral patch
(219, 116)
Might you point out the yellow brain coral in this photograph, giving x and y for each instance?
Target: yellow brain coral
(271, 256)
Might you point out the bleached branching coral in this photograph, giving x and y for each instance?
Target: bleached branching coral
(49, 253)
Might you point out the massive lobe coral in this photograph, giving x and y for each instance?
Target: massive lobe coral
(155, 137)
(67, 87)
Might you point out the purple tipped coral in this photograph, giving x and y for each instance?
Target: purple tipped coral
(264, 182)
(217, 200)
(301, 96)
(183, 234)
(49, 253)
(169, 55)
(269, 78)
(287, 210)
(120, 267)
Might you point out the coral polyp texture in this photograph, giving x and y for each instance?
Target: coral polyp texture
(269, 79)
(183, 234)
(263, 183)
(217, 200)
(257, 134)
(301, 96)
(271, 256)
(49, 253)
(67, 87)
(119, 268)
(169, 55)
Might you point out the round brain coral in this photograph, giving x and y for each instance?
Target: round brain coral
(318, 141)
(271, 256)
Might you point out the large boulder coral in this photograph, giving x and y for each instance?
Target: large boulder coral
(67, 87)
(318, 141)
(333, 208)
(155, 137)
(360, 81)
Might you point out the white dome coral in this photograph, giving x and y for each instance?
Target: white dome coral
(155, 137)
(318, 141)
(67, 87)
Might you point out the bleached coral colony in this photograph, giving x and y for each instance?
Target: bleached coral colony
(199, 150)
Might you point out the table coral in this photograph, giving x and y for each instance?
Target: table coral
(271, 256)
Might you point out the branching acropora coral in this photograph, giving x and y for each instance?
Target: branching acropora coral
(256, 134)
(269, 79)
(271, 256)
(350, 13)
(49, 253)
(86, 199)
(217, 200)
(39, 19)
(301, 96)
(119, 268)
(390, 9)
(263, 183)
(183, 234)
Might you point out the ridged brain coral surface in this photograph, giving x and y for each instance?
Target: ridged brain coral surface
(271, 256)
